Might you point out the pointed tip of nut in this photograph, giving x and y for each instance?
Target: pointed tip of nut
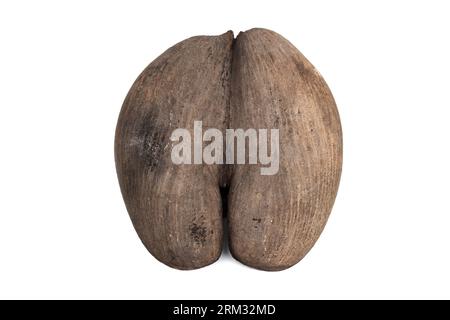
(229, 34)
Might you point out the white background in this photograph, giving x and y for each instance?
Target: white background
(65, 68)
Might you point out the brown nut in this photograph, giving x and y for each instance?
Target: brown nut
(258, 80)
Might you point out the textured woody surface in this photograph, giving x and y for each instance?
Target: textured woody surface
(276, 219)
(175, 209)
(258, 80)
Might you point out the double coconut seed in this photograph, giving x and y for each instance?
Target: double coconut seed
(258, 80)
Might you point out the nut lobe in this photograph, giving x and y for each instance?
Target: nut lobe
(176, 210)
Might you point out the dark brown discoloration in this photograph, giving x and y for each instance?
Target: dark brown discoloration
(198, 233)
(258, 80)
(152, 141)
